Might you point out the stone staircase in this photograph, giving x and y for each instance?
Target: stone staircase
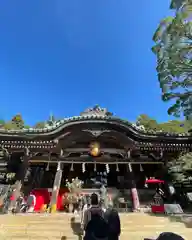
(61, 226)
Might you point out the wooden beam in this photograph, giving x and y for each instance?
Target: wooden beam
(105, 150)
(93, 162)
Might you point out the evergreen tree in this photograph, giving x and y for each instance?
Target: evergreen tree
(173, 49)
(180, 169)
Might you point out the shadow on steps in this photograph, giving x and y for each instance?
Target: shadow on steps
(186, 219)
(76, 228)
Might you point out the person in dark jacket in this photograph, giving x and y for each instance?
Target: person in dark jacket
(94, 208)
(113, 220)
(94, 223)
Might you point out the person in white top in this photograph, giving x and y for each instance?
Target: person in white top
(85, 207)
(31, 202)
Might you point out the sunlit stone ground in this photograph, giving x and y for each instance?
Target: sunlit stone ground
(135, 226)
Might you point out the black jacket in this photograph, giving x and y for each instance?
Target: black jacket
(112, 217)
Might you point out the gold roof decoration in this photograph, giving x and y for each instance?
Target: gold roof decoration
(95, 149)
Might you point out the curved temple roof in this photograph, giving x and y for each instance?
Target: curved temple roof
(94, 115)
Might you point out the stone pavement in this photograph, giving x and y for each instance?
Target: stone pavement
(135, 226)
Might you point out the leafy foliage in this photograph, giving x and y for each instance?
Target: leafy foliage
(173, 49)
(17, 121)
(181, 169)
(177, 4)
(74, 187)
(9, 125)
(39, 125)
(2, 122)
(147, 122)
(174, 126)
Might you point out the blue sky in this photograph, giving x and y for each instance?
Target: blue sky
(64, 56)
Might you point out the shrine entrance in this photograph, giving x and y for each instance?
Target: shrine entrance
(116, 177)
(94, 175)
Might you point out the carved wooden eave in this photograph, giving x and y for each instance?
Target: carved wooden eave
(96, 133)
(48, 138)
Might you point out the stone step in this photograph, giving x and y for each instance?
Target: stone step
(69, 232)
(68, 218)
(56, 226)
(135, 236)
(131, 235)
(64, 224)
(62, 238)
(33, 230)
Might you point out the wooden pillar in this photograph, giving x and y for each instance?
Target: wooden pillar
(20, 179)
(56, 187)
(133, 189)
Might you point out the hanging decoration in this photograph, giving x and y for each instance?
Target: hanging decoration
(141, 168)
(61, 152)
(94, 149)
(58, 166)
(83, 167)
(95, 167)
(47, 168)
(49, 159)
(117, 167)
(72, 169)
(107, 168)
(146, 185)
(130, 167)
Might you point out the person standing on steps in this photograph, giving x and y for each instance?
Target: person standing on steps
(94, 223)
(86, 206)
(113, 220)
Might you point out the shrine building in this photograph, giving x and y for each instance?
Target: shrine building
(90, 146)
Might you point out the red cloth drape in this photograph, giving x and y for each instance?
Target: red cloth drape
(157, 209)
(60, 206)
(42, 197)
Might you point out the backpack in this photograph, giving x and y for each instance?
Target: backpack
(97, 228)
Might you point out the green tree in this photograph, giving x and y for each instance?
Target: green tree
(173, 126)
(17, 121)
(39, 125)
(147, 122)
(177, 4)
(2, 122)
(10, 125)
(173, 49)
(180, 169)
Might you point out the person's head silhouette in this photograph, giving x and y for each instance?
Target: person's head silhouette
(169, 236)
(94, 199)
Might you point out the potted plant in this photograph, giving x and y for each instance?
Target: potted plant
(75, 188)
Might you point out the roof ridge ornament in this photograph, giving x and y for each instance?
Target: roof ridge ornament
(96, 111)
